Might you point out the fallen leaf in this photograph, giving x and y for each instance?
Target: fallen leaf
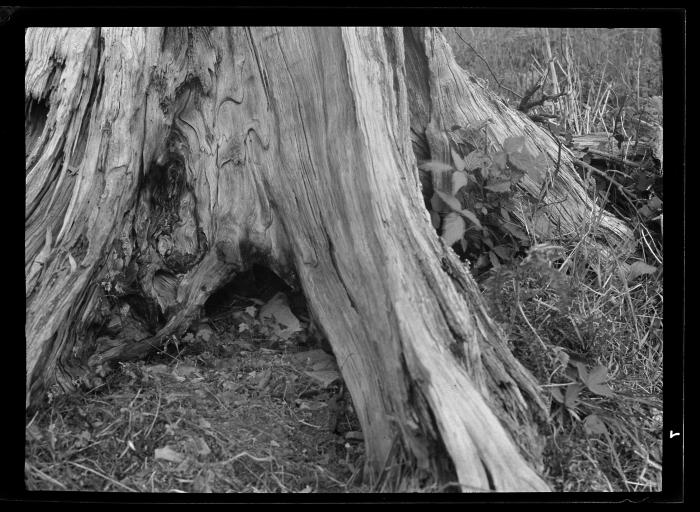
(167, 453)
(311, 357)
(202, 483)
(277, 309)
(184, 370)
(251, 310)
(313, 405)
(201, 447)
(325, 377)
(158, 368)
(324, 364)
(244, 345)
(264, 378)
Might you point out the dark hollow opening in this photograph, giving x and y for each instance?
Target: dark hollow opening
(36, 112)
(257, 284)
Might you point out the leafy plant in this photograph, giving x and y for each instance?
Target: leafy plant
(473, 207)
(594, 381)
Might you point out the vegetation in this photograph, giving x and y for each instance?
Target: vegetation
(576, 326)
(589, 327)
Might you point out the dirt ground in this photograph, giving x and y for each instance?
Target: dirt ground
(242, 403)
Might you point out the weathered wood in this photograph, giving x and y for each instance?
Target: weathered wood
(163, 162)
(453, 97)
(603, 146)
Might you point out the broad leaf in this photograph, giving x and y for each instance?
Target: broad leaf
(459, 180)
(505, 215)
(475, 160)
(516, 232)
(596, 381)
(438, 205)
(471, 217)
(581, 368)
(502, 251)
(449, 200)
(542, 162)
(500, 160)
(557, 395)
(513, 144)
(522, 160)
(435, 219)
(452, 228)
(572, 393)
(458, 161)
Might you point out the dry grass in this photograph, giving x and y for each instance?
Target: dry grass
(570, 300)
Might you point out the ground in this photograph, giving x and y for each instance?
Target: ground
(232, 407)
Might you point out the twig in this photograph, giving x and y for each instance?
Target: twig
(269, 458)
(45, 476)
(102, 476)
(613, 158)
(520, 308)
(155, 416)
(614, 183)
(498, 82)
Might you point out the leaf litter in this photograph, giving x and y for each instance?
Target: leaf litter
(234, 410)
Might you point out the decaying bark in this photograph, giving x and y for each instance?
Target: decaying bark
(163, 162)
(453, 97)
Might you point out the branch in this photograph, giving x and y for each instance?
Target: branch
(612, 158)
(616, 184)
(498, 82)
(545, 97)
